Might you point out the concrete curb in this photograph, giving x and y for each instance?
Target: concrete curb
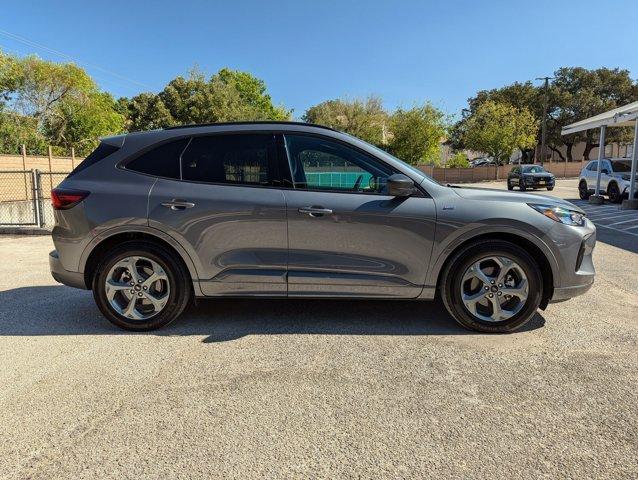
(24, 231)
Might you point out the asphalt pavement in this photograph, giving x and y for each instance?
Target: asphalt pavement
(317, 389)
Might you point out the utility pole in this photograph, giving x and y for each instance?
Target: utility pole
(544, 124)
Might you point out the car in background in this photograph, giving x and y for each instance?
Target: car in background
(481, 162)
(615, 177)
(530, 176)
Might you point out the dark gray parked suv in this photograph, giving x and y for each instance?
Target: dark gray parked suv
(150, 220)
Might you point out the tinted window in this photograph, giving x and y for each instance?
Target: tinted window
(102, 151)
(592, 166)
(321, 164)
(162, 161)
(533, 169)
(621, 166)
(242, 159)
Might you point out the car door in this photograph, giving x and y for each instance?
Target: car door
(346, 236)
(226, 212)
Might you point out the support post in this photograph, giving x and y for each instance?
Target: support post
(631, 202)
(35, 178)
(597, 198)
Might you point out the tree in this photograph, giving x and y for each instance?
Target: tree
(79, 122)
(229, 95)
(365, 119)
(49, 103)
(459, 160)
(145, 111)
(580, 93)
(416, 134)
(499, 128)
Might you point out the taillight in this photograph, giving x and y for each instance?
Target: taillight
(64, 198)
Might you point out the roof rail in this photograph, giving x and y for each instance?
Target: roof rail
(254, 122)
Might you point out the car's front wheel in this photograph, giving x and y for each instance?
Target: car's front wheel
(141, 286)
(492, 286)
(614, 193)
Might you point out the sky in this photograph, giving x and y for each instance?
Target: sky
(306, 51)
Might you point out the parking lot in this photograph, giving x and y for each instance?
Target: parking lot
(330, 389)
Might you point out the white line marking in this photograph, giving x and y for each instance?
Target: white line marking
(625, 221)
(609, 217)
(619, 230)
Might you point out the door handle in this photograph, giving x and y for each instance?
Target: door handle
(315, 211)
(178, 204)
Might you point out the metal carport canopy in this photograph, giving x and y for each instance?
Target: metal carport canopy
(618, 117)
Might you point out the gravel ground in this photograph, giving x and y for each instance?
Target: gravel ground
(316, 389)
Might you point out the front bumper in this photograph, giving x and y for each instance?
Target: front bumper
(534, 182)
(577, 272)
(60, 275)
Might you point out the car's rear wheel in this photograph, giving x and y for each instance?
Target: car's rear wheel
(141, 286)
(549, 189)
(492, 286)
(583, 192)
(509, 185)
(521, 185)
(614, 193)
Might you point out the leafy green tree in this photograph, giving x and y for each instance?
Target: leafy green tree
(458, 160)
(416, 134)
(79, 122)
(365, 119)
(499, 128)
(145, 111)
(229, 95)
(47, 103)
(579, 93)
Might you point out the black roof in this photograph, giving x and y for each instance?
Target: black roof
(255, 122)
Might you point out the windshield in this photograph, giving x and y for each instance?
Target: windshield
(621, 166)
(534, 169)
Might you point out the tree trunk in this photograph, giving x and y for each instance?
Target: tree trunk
(588, 148)
(560, 155)
(570, 155)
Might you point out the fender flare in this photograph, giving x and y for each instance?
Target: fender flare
(154, 232)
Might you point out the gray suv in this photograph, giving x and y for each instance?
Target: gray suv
(151, 220)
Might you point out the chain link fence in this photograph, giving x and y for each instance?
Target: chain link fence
(25, 197)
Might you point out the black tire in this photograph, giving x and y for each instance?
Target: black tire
(521, 185)
(450, 285)
(549, 189)
(178, 278)
(509, 185)
(583, 192)
(614, 193)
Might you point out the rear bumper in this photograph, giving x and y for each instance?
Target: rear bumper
(60, 275)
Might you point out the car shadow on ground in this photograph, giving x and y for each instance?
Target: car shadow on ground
(59, 310)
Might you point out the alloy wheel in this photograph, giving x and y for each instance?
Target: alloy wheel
(137, 287)
(494, 288)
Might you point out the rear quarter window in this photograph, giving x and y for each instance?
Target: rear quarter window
(102, 151)
(161, 161)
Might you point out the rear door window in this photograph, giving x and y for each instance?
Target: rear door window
(243, 159)
(161, 161)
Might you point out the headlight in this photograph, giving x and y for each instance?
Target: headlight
(560, 214)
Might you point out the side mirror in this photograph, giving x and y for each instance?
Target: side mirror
(400, 186)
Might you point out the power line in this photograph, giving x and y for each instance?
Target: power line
(31, 43)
